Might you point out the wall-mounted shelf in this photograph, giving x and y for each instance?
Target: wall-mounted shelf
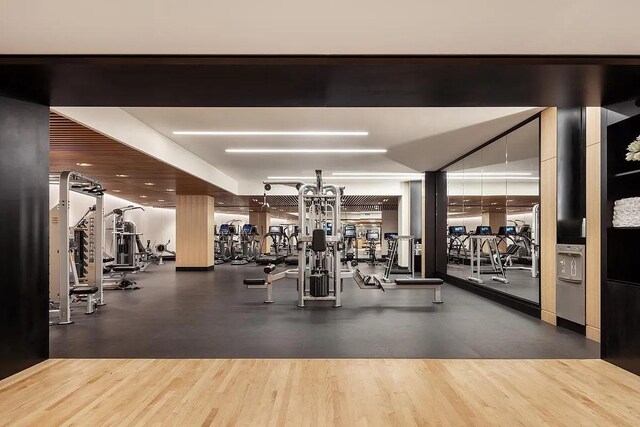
(622, 174)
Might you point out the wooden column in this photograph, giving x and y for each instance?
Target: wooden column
(194, 233)
(548, 213)
(262, 220)
(495, 220)
(593, 270)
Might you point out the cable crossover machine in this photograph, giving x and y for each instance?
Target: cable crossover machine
(320, 271)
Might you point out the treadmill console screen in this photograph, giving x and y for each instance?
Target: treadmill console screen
(247, 228)
(507, 230)
(329, 229)
(390, 236)
(275, 229)
(372, 235)
(224, 229)
(483, 230)
(349, 231)
(457, 230)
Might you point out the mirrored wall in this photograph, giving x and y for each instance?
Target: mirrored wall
(493, 202)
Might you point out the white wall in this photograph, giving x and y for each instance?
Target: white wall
(156, 224)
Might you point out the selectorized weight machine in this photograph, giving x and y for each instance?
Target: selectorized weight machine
(320, 274)
(69, 253)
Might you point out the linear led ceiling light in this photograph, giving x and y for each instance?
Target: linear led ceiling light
(385, 174)
(273, 133)
(338, 178)
(305, 150)
(466, 174)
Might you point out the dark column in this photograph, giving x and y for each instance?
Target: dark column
(435, 226)
(441, 222)
(24, 227)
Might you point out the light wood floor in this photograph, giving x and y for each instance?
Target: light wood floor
(321, 392)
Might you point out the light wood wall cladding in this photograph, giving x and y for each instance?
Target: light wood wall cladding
(593, 256)
(548, 133)
(72, 143)
(194, 231)
(262, 220)
(548, 213)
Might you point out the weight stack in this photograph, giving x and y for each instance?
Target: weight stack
(319, 285)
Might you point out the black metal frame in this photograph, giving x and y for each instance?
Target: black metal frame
(531, 308)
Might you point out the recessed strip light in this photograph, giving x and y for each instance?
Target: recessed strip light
(149, 183)
(493, 178)
(122, 176)
(340, 178)
(305, 150)
(84, 164)
(466, 174)
(377, 174)
(273, 133)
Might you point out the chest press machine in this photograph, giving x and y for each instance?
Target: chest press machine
(320, 274)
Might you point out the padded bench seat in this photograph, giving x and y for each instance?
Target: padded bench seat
(125, 268)
(427, 281)
(83, 290)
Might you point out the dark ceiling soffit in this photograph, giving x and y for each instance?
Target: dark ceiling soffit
(319, 80)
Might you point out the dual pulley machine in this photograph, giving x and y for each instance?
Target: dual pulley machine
(319, 271)
(75, 250)
(320, 259)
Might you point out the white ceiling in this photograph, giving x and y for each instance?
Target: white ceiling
(417, 139)
(321, 27)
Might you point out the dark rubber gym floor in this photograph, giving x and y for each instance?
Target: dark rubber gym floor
(212, 315)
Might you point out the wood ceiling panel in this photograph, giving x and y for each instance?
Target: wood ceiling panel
(72, 144)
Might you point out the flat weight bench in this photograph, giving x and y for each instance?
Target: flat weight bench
(89, 292)
(428, 283)
(124, 270)
(263, 283)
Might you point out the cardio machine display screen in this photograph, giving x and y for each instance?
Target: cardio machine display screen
(457, 230)
(224, 229)
(507, 230)
(350, 232)
(483, 230)
(275, 229)
(247, 228)
(373, 236)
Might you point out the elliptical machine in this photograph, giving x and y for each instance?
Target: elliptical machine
(246, 246)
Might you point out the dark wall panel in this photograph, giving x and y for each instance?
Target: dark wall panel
(572, 202)
(620, 324)
(24, 252)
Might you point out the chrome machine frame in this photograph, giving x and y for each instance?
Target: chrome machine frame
(318, 205)
(76, 182)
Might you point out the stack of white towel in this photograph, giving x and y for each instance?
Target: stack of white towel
(626, 212)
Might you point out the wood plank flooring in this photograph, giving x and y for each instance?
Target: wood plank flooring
(317, 392)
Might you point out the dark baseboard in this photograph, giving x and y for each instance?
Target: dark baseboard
(210, 268)
(510, 301)
(572, 326)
